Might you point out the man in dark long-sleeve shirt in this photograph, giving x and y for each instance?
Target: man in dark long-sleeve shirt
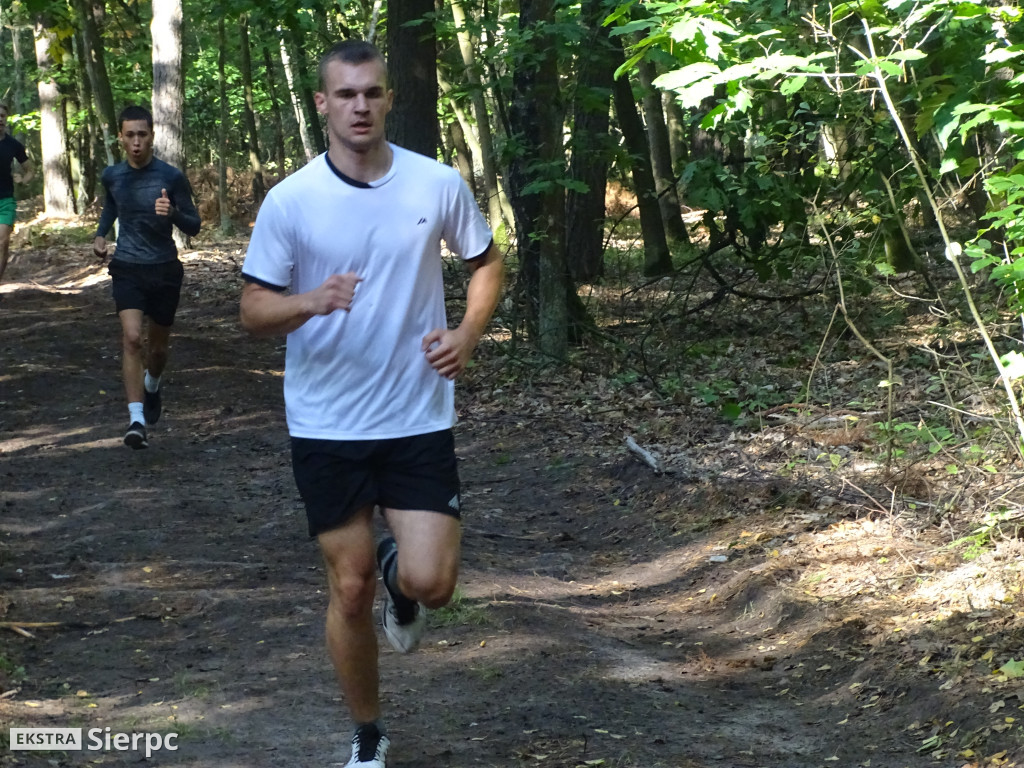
(148, 198)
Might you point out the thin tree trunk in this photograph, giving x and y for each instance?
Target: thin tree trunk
(259, 187)
(657, 257)
(83, 168)
(675, 119)
(483, 121)
(96, 68)
(661, 156)
(412, 69)
(275, 112)
(222, 129)
(300, 118)
(302, 89)
(590, 144)
(58, 198)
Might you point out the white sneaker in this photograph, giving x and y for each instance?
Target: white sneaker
(405, 635)
(404, 638)
(369, 748)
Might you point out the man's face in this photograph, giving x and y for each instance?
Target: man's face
(3, 121)
(136, 139)
(355, 100)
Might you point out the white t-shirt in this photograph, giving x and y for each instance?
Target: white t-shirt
(361, 374)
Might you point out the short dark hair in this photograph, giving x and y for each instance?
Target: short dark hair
(134, 112)
(351, 52)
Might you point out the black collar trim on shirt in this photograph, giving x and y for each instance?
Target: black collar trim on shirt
(343, 177)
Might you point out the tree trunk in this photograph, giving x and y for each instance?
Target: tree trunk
(58, 197)
(308, 146)
(657, 258)
(222, 129)
(463, 155)
(591, 145)
(487, 159)
(168, 94)
(675, 119)
(96, 68)
(259, 187)
(83, 165)
(661, 156)
(535, 120)
(301, 87)
(275, 112)
(412, 69)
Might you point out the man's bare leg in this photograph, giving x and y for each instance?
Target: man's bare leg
(5, 247)
(351, 637)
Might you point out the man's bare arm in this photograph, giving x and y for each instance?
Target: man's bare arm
(449, 351)
(265, 312)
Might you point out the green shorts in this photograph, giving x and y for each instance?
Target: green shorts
(8, 207)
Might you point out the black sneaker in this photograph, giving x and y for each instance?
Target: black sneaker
(369, 748)
(151, 406)
(135, 437)
(404, 620)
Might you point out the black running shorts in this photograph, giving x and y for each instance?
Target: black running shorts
(336, 478)
(153, 288)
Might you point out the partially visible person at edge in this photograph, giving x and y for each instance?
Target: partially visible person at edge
(10, 150)
(345, 259)
(148, 198)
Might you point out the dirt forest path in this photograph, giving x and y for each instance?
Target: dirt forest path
(594, 626)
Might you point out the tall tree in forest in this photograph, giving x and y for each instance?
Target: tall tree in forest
(86, 13)
(657, 257)
(259, 187)
(276, 120)
(57, 194)
(480, 112)
(222, 126)
(292, 81)
(590, 144)
(301, 83)
(535, 173)
(168, 94)
(661, 155)
(412, 71)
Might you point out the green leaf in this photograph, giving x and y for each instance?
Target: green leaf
(1013, 669)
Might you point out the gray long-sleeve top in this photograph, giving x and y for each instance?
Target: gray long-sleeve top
(143, 236)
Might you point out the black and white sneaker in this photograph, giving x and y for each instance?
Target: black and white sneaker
(135, 437)
(404, 620)
(369, 748)
(152, 406)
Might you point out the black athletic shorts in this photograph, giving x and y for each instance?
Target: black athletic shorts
(153, 288)
(336, 478)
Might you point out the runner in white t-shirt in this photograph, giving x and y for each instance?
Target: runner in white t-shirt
(345, 259)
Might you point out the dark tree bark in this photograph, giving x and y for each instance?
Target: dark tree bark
(590, 144)
(259, 187)
(412, 70)
(95, 66)
(661, 156)
(657, 257)
(276, 117)
(222, 129)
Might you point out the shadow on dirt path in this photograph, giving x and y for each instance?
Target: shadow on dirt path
(601, 619)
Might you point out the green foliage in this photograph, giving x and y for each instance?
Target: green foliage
(995, 526)
(460, 611)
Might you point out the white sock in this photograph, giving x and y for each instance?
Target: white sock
(135, 414)
(152, 385)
